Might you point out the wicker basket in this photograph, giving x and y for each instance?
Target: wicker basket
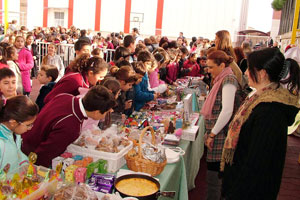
(137, 163)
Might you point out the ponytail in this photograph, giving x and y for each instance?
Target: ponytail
(19, 108)
(85, 63)
(125, 73)
(293, 81)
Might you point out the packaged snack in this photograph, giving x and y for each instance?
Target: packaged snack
(80, 174)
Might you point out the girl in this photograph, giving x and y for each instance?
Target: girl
(192, 65)
(52, 59)
(173, 67)
(156, 84)
(126, 77)
(8, 84)
(254, 159)
(12, 57)
(32, 47)
(16, 117)
(221, 103)
(84, 72)
(142, 93)
(3, 62)
(25, 62)
(59, 123)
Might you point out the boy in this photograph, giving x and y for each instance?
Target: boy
(59, 123)
(46, 76)
(8, 83)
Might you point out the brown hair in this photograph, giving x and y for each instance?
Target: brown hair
(10, 50)
(112, 84)
(125, 73)
(144, 56)
(140, 47)
(224, 43)
(210, 50)
(20, 108)
(46, 57)
(219, 57)
(139, 67)
(85, 63)
(6, 72)
(51, 71)
(96, 52)
(99, 98)
(239, 54)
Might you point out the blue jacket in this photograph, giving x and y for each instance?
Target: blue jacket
(142, 94)
(10, 150)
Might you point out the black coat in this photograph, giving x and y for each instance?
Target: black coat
(260, 154)
(43, 93)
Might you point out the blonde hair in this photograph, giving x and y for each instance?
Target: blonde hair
(45, 59)
(225, 43)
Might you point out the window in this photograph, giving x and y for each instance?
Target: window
(59, 18)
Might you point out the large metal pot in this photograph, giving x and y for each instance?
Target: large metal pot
(153, 196)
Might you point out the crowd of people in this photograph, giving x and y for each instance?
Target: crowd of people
(246, 134)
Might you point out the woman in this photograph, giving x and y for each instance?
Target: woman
(84, 72)
(221, 103)
(52, 59)
(16, 117)
(241, 59)
(255, 147)
(223, 42)
(25, 62)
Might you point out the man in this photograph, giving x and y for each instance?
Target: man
(82, 46)
(83, 36)
(129, 43)
(136, 36)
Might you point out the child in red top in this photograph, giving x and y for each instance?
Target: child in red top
(191, 63)
(84, 72)
(173, 67)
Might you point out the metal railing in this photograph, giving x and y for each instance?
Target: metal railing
(67, 52)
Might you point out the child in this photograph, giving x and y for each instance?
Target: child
(191, 64)
(59, 123)
(156, 84)
(25, 62)
(52, 59)
(85, 71)
(183, 54)
(173, 67)
(46, 76)
(98, 52)
(12, 57)
(142, 94)
(8, 86)
(16, 117)
(126, 77)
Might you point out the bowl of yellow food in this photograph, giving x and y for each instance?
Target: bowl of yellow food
(140, 186)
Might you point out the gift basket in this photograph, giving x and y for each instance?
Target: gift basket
(145, 157)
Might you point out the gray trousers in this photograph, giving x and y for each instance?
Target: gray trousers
(214, 185)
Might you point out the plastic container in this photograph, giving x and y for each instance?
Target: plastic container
(44, 187)
(114, 160)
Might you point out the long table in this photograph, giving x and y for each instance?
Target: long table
(180, 176)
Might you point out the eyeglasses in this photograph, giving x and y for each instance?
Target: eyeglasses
(29, 126)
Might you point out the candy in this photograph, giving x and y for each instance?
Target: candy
(67, 162)
(70, 172)
(56, 161)
(80, 174)
(77, 157)
(67, 155)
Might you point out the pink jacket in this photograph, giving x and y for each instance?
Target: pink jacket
(154, 79)
(25, 62)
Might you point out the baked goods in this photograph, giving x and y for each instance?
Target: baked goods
(137, 187)
(75, 192)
